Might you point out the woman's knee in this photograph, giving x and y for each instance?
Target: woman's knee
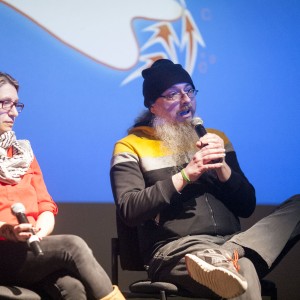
(75, 244)
(69, 244)
(77, 241)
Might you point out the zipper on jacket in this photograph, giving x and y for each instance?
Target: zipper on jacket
(211, 213)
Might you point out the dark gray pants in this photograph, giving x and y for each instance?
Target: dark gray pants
(265, 245)
(67, 263)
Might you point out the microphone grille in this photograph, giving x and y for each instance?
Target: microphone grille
(196, 121)
(17, 208)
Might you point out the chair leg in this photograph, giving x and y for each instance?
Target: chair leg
(274, 294)
(114, 261)
(269, 289)
(163, 295)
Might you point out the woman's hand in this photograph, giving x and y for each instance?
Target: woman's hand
(17, 233)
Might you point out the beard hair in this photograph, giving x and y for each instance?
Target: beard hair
(178, 137)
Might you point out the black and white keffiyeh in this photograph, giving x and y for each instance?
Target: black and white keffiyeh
(13, 168)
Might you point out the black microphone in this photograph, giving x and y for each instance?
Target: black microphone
(18, 210)
(201, 131)
(198, 126)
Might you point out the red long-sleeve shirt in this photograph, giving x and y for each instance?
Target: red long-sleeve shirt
(31, 191)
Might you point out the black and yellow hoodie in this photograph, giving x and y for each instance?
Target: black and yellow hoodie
(146, 198)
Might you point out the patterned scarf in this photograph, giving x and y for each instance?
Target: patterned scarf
(13, 168)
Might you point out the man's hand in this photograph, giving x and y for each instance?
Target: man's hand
(211, 147)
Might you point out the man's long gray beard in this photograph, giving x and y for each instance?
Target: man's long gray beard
(179, 138)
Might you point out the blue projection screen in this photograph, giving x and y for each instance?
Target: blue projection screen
(79, 65)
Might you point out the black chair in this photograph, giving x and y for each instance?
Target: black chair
(16, 292)
(143, 288)
(125, 249)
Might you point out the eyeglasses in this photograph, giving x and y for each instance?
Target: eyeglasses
(176, 96)
(8, 104)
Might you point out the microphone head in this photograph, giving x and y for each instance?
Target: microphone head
(196, 121)
(17, 208)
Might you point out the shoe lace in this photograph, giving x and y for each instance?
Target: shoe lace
(234, 260)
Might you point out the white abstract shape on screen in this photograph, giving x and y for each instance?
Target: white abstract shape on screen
(99, 29)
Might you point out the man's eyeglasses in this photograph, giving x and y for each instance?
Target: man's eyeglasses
(8, 104)
(176, 96)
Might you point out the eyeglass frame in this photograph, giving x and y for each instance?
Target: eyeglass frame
(18, 105)
(170, 97)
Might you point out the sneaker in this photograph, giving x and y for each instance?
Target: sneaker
(216, 270)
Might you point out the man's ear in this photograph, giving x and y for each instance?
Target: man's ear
(152, 109)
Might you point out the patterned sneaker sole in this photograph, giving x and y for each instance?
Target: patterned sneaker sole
(220, 280)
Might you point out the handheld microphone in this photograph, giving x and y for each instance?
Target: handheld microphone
(201, 131)
(198, 126)
(18, 210)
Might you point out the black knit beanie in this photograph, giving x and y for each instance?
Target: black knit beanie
(160, 76)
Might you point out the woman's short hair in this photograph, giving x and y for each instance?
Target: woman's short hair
(6, 78)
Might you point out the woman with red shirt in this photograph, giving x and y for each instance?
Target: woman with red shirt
(67, 262)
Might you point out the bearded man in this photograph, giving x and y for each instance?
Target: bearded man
(185, 195)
